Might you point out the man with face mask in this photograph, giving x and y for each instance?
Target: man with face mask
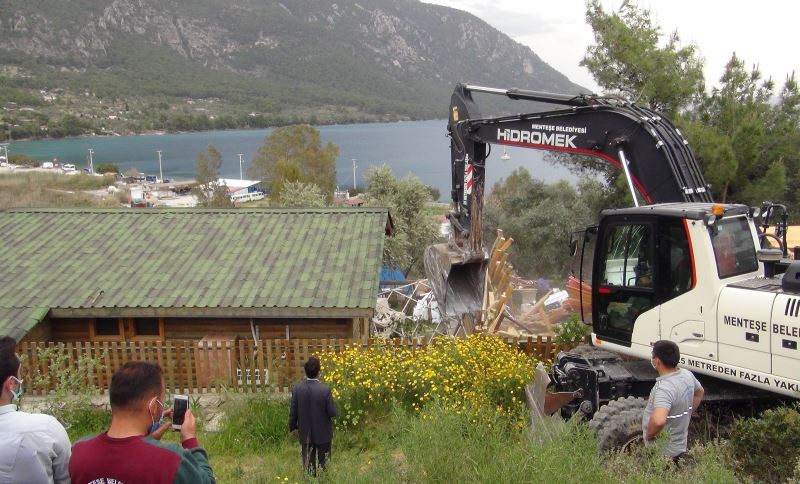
(130, 451)
(674, 398)
(34, 448)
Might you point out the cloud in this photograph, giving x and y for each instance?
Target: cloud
(507, 17)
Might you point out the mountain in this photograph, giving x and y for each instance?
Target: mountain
(323, 60)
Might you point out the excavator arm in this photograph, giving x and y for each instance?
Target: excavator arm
(655, 157)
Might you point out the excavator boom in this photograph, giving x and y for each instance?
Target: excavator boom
(655, 157)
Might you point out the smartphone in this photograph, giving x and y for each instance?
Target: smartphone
(179, 407)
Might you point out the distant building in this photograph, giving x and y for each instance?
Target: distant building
(343, 197)
(243, 190)
(354, 202)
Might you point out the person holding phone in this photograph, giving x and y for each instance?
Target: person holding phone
(310, 417)
(130, 450)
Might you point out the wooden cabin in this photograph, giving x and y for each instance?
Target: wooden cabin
(144, 275)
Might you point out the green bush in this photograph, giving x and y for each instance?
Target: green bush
(767, 448)
(71, 390)
(106, 168)
(84, 421)
(26, 160)
(571, 331)
(252, 424)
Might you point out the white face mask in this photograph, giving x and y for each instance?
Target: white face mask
(16, 394)
(157, 423)
(653, 363)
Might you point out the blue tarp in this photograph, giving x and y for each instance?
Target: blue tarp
(391, 274)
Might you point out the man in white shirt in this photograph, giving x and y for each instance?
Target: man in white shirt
(34, 448)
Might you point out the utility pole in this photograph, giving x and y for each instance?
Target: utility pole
(91, 162)
(354, 175)
(160, 173)
(241, 176)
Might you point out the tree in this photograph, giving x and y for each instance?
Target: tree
(414, 230)
(295, 154)
(209, 191)
(743, 138)
(541, 219)
(300, 195)
(785, 126)
(627, 59)
(285, 172)
(746, 140)
(435, 193)
(714, 151)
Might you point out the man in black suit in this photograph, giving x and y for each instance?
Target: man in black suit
(310, 415)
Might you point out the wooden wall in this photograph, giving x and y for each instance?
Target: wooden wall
(78, 329)
(69, 329)
(191, 328)
(40, 332)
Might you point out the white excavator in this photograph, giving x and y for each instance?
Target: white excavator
(674, 266)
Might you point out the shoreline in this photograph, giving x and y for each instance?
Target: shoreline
(167, 132)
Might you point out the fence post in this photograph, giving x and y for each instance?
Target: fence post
(269, 362)
(243, 365)
(251, 356)
(190, 366)
(228, 366)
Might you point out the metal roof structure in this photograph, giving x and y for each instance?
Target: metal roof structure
(235, 183)
(690, 210)
(188, 262)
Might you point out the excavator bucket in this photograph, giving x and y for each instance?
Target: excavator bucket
(457, 282)
(543, 404)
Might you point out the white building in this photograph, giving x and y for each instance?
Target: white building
(242, 190)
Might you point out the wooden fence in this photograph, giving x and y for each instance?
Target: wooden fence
(196, 367)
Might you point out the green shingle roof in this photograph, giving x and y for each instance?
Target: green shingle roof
(151, 260)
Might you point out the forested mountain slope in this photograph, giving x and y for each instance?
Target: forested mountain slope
(337, 60)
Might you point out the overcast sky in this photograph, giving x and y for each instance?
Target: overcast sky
(763, 32)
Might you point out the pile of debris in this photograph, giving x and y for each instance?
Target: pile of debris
(511, 306)
(407, 311)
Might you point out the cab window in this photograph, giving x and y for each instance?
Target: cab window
(627, 274)
(628, 257)
(734, 250)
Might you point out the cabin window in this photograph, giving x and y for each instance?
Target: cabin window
(627, 276)
(629, 256)
(107, 329)
(148, 328)
(734, 249)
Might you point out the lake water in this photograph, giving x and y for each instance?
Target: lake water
(418, 147)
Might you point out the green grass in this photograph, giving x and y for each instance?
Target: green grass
(442, 448)
(399, 447)
(239, 430)
(38, 189)
(85, 421)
